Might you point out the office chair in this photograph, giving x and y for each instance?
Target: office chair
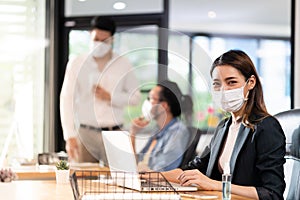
(290, 123)
(190, 152)
(292, 178)
(197, 136)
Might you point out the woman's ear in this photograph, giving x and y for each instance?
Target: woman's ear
(251, 82)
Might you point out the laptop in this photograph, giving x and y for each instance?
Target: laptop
(121, 158)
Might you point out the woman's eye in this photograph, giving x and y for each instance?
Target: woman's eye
(216, 84)
(231, 83)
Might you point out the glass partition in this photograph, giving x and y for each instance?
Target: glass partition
(139, 45)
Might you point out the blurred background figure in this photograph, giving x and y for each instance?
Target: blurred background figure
(165, 148)
(96, 88)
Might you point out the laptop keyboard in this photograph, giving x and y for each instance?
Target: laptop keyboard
(134, 196)
(154, 186)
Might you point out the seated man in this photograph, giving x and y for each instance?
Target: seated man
(166, 145)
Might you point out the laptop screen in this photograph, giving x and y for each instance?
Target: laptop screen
(119, 151)
(121, 158)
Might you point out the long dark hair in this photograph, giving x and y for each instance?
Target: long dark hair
(255, 109)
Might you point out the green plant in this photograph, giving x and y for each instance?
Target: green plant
(62, 165)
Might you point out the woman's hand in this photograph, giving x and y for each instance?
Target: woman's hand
(195, 177)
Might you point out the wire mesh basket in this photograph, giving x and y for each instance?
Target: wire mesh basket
(92, 185)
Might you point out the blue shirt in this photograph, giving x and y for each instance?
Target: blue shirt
(171, 144)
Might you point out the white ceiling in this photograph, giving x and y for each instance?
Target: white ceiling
(267, 17)
(253, 17)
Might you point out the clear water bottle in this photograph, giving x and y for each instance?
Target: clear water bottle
(226, 182)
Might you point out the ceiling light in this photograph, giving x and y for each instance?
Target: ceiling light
(119, 5)
(82, 0)
(212, 14)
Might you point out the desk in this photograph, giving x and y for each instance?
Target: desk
(35, 190)
(38, 183)
(49, 190)
(45, 172)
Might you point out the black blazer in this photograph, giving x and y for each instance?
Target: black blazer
(257, 158)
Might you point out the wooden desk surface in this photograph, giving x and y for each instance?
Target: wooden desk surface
(38, 183)
(35, 190)
(48, 172)
(49, 190)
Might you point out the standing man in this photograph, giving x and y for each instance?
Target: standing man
(96, 88)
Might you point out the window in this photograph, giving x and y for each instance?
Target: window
(22, 39)
(192, 77)
(270, 56)
(272, 60)
(191, 72)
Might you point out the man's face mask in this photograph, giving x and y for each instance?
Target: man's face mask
(146, 110)
(151, 111)
(99, 49)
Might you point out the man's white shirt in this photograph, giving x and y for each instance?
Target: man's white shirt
(78, 104)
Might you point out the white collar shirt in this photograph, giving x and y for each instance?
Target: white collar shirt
(78, 104)
(230, 142)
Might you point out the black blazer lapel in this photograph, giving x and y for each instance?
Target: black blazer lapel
(240, 140)
(215, 147)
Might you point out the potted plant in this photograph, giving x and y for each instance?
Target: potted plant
(7, 175)
(62, 172)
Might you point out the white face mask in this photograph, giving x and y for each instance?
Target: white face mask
(230, 100)
(146, 110)
(150, 111)
(99, 49)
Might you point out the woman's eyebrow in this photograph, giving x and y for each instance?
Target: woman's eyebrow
(216, 79)
(230, 78)
(226, 79)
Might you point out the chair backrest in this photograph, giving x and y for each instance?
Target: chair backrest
(196, 137)
(292, 178)
(190, 152)
(290, 123)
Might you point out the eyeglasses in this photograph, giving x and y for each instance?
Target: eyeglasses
(151, 99)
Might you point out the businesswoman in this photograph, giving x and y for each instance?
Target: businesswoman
(250, 140)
